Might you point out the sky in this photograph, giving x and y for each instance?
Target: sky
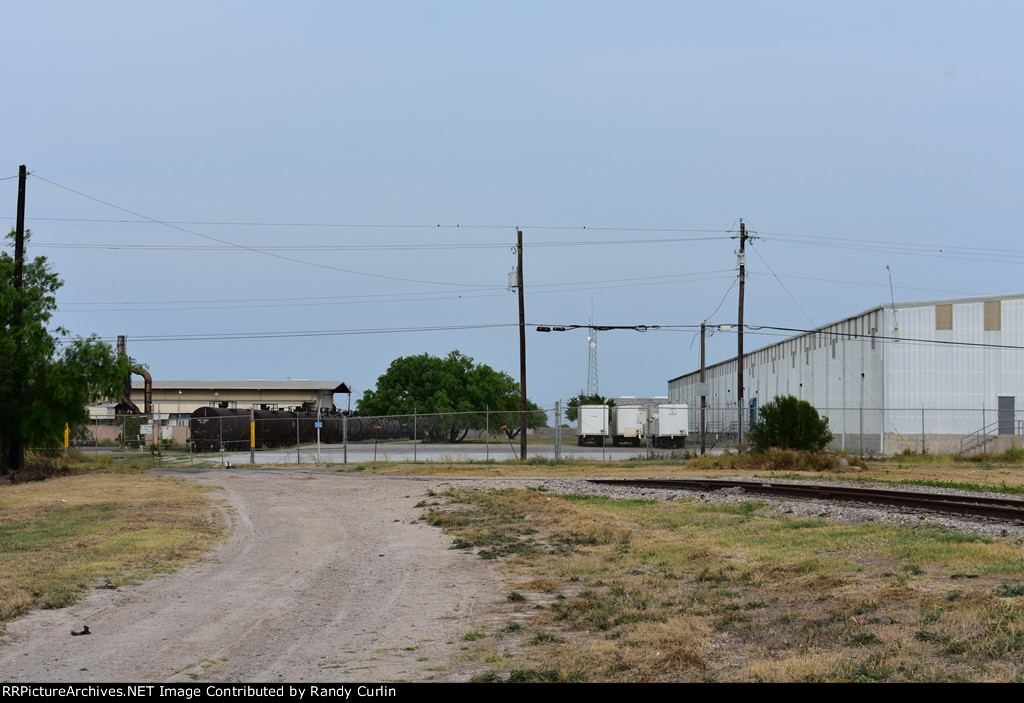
(337, 184)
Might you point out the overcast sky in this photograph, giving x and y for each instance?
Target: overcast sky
(209, 168)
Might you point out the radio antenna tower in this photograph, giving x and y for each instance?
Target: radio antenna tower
(592, 354)
(592, 362)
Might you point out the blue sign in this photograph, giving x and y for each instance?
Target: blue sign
(318, 425)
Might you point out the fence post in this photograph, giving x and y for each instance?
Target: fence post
(344, 438)
(862, 413)
(487, 432)
(922, 430)
(298, 455)
(252, 436)
(558, 431)
(414, 422)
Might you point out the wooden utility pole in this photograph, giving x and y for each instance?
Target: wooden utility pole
(19, 233)
(522, 346)
(739, 336)
(703, 393)
(15, 447)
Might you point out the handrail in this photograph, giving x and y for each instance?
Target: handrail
(976, 439)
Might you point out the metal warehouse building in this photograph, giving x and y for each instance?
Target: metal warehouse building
(940, 376)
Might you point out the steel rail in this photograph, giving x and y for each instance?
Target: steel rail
(967, 505)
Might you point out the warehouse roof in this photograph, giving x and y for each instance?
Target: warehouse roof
(251, 384)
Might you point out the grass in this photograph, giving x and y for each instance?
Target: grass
(639, 590)
(102, 526)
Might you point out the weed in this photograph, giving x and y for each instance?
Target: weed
(476, 633)
(546, 638)
(486, 677)
(1005, 590)
(536, 675)
(515, 597)
(653, 591)
(862, 639)
(115, 527)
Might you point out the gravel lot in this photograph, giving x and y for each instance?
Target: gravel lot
(326, 577)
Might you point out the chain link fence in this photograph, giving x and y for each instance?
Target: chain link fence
(289, 437)
(877, 431)
(238, 436)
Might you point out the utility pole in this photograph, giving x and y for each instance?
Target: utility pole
(703, 393)
(19, 234)
(16, 448)
(522, 345)
(739, 353)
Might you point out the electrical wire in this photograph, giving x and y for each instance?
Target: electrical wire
(863, 283)
(252, 249)
(354, 247)
(306, 333)
(370, 298)
(380, 225)
(792, 297)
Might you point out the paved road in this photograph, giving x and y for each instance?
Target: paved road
(408, 452)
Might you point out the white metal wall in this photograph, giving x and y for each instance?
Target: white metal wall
(964, 381)
(866, 383)
(829, 368)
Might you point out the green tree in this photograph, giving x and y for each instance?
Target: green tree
(572, 407)
(426, 384)
(789, 423)
(44, 382)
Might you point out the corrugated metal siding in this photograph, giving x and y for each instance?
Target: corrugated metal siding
(803, 366)
(962, 380)
(954, 387)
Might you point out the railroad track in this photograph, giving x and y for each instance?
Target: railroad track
(1005, 509)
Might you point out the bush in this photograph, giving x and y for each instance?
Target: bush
(789, 423)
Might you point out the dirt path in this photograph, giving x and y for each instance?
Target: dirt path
(326, 577)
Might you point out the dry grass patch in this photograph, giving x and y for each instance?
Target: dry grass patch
(60, 537)
(681, 591)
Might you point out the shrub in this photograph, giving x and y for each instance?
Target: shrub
(789, 423)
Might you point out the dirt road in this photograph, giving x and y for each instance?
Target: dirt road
(326, 577)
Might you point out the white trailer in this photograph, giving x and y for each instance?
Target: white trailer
(629, 424)
(669, 424)
(592, 424)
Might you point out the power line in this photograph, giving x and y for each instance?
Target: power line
(355, 247)
(861, 283)
(381, 225)
(929, 250)
(369, 298)
(248, 248)
(792, 297)
(307, 333)
(883, 338)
